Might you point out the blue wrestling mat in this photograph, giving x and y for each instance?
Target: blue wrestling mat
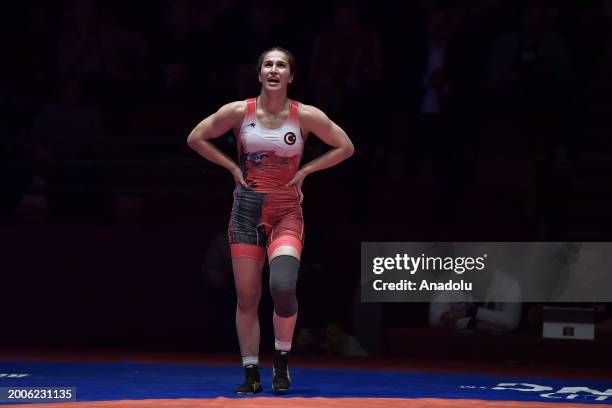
(134, 381)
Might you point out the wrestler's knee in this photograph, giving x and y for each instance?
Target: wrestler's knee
(248, 299)
(283, 282)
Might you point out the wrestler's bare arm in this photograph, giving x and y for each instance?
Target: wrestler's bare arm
(227, 117)
(313, 120)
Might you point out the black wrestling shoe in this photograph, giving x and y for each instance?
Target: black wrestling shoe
(252, 382)
(281, 380)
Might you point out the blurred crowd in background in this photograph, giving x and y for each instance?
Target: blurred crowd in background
(457, 108)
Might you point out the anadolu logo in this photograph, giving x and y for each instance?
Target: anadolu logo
(290, 138)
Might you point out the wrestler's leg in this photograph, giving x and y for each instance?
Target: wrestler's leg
(247, 279)
(248, 255)
(284, 266)
(284, 253)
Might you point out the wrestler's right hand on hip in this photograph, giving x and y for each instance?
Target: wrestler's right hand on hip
(238, 177)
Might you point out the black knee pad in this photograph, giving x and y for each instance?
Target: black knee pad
(283, 280)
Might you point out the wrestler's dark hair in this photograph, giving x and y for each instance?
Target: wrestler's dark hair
(290, 58)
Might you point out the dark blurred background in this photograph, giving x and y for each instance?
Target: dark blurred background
(481, 120)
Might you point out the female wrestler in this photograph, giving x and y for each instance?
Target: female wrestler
(267, 214)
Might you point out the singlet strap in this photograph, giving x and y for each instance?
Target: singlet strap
(251, 108)
(293, 111)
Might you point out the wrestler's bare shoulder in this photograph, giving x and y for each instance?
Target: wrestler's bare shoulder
(233, 110)
(307, 112)
(311, 117)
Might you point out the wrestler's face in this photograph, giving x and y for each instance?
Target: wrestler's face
(275, 72)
